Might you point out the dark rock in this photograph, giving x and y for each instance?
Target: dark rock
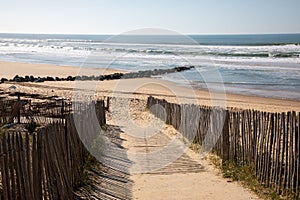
(27, 79)
(117, 75)
(4, 80)
(139, 74)
(40, 80)
(101, 78)
(84, 78)
(70, 78)
(97, 78)
(17, 78)
(48, 78)
(108, 77)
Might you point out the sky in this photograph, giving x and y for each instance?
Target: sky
(119, 16)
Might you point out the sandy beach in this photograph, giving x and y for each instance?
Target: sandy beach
(142, 100)
(206, 183)
(141, 87)
(10, 69)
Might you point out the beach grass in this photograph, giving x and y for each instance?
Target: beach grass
(245, 175)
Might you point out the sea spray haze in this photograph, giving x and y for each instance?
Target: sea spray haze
(122, 109)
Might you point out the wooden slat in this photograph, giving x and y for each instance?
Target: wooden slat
(286, 151)
(292, 151)
(283, 142)
(297, 155)
(14, 186)
(23, 167)
(4, 171)
(225, 142)
(269, 140)
(28, 162)
(34, 167)
(273, 151)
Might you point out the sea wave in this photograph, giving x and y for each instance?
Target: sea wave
(264, 51)
(263, 67)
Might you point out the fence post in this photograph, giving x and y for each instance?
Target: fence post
(226, 144)
(62, 110)
(100, 112)
(19, 108)
(107, 103)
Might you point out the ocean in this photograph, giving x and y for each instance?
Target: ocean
(260, 65)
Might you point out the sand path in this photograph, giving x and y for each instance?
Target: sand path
(155, 172)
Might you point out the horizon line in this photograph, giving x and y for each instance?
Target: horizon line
(114, 34)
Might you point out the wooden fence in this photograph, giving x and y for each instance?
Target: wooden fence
(269, 141)
(24, 109)
(47, 164)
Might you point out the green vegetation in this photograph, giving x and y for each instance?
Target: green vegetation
(90, 162)
(245, 174)
(195, 147)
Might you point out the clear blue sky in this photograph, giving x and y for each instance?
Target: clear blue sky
(117, 16)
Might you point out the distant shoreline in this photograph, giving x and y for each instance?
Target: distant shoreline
(143, 87)
(261, 65)
(11, 69)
